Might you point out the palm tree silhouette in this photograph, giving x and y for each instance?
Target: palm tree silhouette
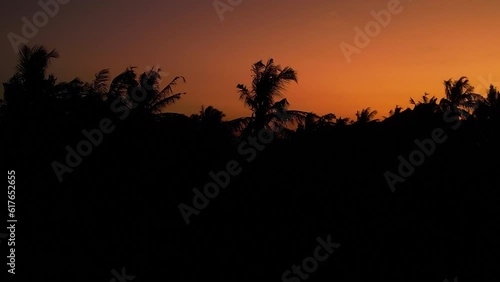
(343, 121)
(99, 87)
(157, 98)
(122, 85)
(209, 117)
(29, 84)
(312, 122)
(493, 96)
(489, 107)
(493, 101)
(126, 88)
(426, 104)
(365, 116)
(74, 89)
(268, 83)
(460, 97)
(425, 100)
(397, 110)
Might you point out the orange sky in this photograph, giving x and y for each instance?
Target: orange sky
(427, 42)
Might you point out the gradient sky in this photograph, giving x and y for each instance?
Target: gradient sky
(428, 42)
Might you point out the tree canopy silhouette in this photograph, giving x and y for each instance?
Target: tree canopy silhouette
(328, 174)
(268, 84)
(460, 96)
(365, 116)
(29, 85)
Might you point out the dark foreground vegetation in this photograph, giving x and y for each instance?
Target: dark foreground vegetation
(119, 206)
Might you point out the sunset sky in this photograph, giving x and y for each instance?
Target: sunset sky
(427, 42)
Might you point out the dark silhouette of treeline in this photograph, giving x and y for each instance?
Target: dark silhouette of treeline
(118, 206)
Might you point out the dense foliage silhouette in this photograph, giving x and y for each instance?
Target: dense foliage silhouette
(321, 175)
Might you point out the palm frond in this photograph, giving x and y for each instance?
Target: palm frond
(238, 124)
(101, 79)
(287, 74)
(168, 90)
(122, 83)
(158, 106)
